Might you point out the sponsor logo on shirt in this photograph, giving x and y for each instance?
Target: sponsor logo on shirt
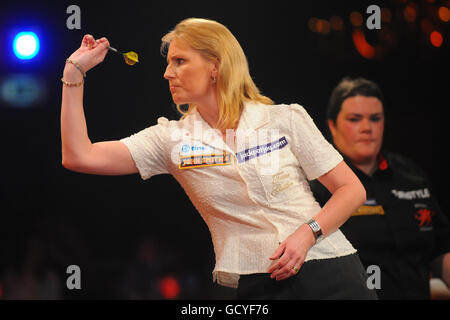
(257, 151)
(204, 160)
(413, 194)
(195, 148)
(370, 207)
(424, 216)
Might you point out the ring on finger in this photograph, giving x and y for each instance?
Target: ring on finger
(295, 269)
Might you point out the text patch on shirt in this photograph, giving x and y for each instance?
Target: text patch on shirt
(370, 207)
(413, 194)
(191, 148)
(257, 151)
(205, 160)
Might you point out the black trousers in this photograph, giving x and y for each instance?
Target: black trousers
(332, 279)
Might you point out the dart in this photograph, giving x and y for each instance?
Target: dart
(131, 57)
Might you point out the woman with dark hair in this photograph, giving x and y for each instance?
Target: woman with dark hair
(400, 228)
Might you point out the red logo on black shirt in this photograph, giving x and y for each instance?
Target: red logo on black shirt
(424, 217)
(382, 163)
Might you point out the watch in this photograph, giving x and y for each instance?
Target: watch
(315, 227)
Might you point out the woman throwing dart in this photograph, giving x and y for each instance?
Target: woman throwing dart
(243, 161)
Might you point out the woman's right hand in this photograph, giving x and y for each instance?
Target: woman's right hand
(90, 53)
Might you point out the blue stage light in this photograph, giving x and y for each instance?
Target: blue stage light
(26, 45)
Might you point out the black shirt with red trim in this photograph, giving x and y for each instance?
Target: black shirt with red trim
(400, 228)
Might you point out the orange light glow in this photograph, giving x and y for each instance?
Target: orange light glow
(362, 46)
(410, 13)
(336, 23)
(319, 25)
(436, 39)
(386, 15)
(426, 26)
(444, 14)
(356, 19)
(323, 26)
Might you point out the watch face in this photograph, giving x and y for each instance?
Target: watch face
(315, 226)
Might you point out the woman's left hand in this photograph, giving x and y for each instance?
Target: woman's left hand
(292, 253)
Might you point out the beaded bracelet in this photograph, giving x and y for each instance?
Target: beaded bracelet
(72, 84)
(77, 65)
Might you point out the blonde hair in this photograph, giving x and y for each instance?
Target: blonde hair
(234, 83)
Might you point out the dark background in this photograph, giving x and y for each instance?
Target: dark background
(128, 235)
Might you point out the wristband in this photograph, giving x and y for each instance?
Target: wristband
(77, 65)
(72, 84)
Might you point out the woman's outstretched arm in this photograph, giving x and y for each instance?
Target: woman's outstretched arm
(78, 152)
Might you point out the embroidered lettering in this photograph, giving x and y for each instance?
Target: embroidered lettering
(279, 183)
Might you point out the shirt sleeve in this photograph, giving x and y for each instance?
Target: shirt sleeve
(147, 148)
(315, 154)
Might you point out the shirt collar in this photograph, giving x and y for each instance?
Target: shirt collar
(383, 166)
(254, 116)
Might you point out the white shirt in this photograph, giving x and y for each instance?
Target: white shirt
(253, 197)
